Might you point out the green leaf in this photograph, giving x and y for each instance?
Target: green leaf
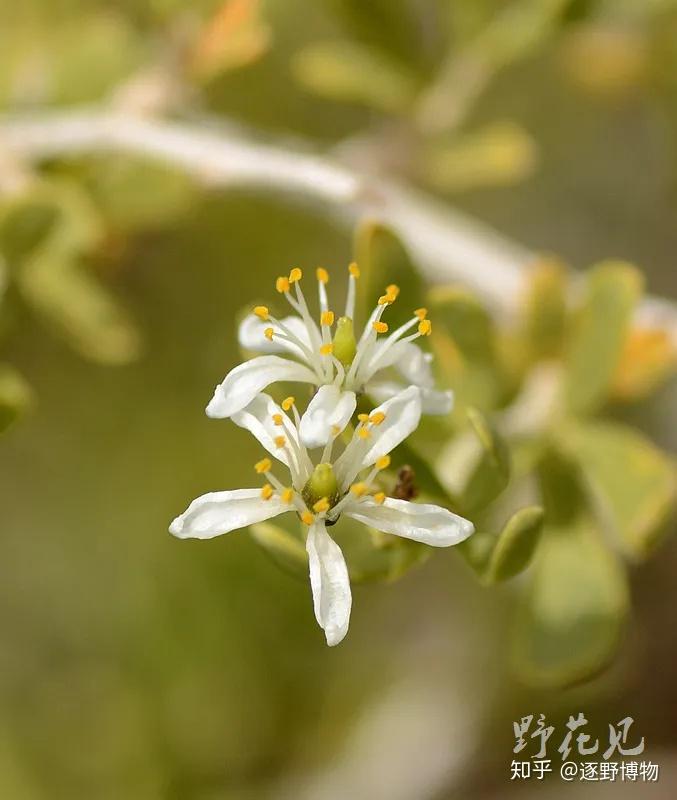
(16, 396)
(464, 342)
(613, 289)
(134, 193)
(570, 623)
(351, 73)
(374, 556)
(545, 309)
(499, 154)
(475, 466)
(383, 260)
(515, 545)
(283, 547)
(634, 482)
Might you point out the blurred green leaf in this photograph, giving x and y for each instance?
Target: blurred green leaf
(285, 549)
(633, 480)
(499, 154)
(134, 193)
(474, 467)
(570, 622)
(16, 396)
(465, 346)
(384, 260)
(545, 309)
(352, 73)
(515, 545)
(613, 289)
(54, 280)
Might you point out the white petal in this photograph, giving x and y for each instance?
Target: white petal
(330, 408)
(421, 522)
(221, 512)
(329, 583)
(244, 382)
(432, 400)
(410, 361)
(402, 415)
(257, 418)
(251, 335)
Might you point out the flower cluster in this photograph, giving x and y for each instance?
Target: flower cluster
(322, 489)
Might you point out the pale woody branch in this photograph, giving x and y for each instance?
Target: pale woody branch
(446, 243)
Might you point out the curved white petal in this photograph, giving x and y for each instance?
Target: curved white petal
(215, 513)
(329, 583)
(251, 335)
(244, 382)
(257, 418)
(410, 361)
(331, 408)
(429, 524)
(402, 414)
(433, 402)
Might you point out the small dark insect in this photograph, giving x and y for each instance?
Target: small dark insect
(405, 488)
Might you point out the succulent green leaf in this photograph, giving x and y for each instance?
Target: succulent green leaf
(570, 622)
(16, 396)
(134, 193)
(515, 545)
(384, 260)
(283, 547)
(464, 341)
(499, 154)
(474, 467)
(545, 310)
(613, 289)
(634, 482)
(346, 71)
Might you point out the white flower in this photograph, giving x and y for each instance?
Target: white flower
(326, 354)
(320, 493)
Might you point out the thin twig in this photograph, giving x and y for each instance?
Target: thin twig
(446, 243)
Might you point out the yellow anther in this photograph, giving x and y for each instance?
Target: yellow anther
(287, 495)
(393, 290)
(268, 333)
(321, 506)
(383, 462)
(354, 270)
(335, 430)
(264, 465)
(327, 349)
(322, 275)
(282, 284)
(363, 433)
(377, 417)
(278, 419)
(295, 275)
(425, 327)
(287, 403)
(262, 312)
(421, 313)
(363, 417)
(379, 498)
(380, 327)
(267, 492)
(307, 518)
(327, 318)
(280, 441)
(359, 489)
(384, 299)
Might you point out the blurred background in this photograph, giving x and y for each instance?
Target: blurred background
(133, 665)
